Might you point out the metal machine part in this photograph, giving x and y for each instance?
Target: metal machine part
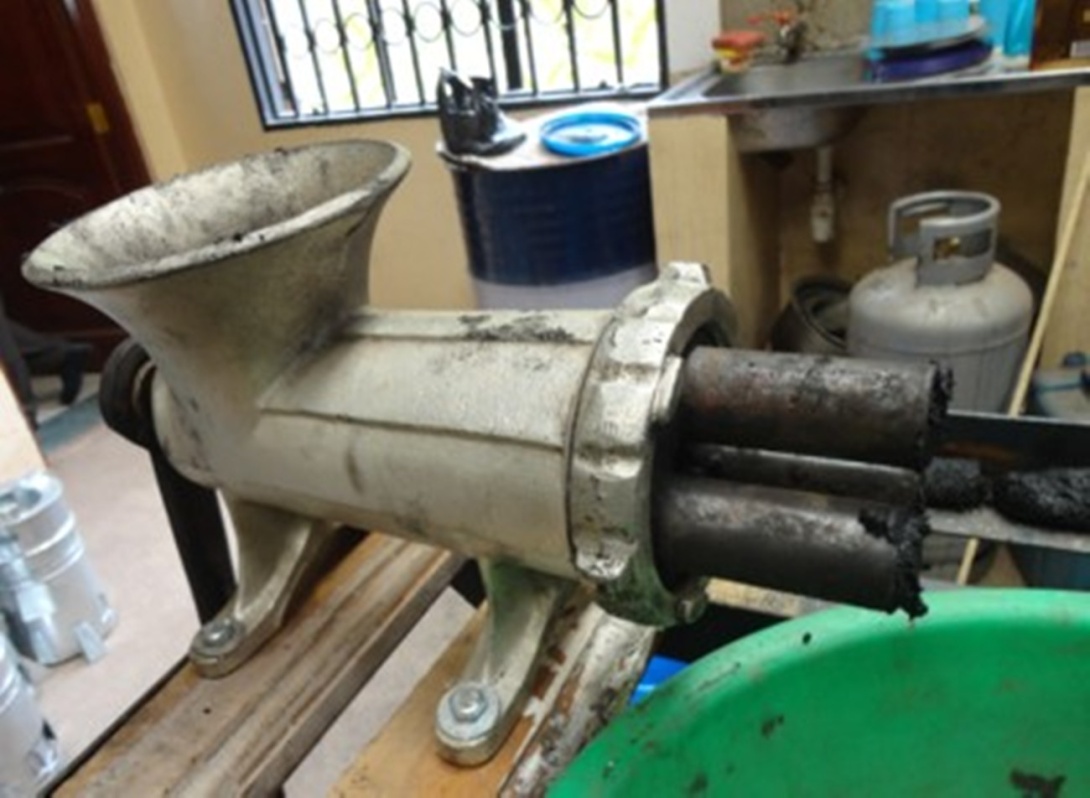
(628, 401)
(859, 410)
(50, 595)
(29, 754)
(475, 715)
(836, 549)
(553, 446)
(193, 510)
(875, 483)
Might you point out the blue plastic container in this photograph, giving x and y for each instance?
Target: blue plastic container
(995, 14)
(1019, 34)
(659, 669)
(564, 230)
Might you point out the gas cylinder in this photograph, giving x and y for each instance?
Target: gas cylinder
(945, 298)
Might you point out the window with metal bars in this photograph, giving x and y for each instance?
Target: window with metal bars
(317, 61)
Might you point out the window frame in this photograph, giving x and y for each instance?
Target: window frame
(257, 54)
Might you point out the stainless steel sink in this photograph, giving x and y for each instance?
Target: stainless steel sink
(758, 126)
(771, 129)
(814, 74)
(820, 97)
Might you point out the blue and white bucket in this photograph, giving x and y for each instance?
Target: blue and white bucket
(564, 220)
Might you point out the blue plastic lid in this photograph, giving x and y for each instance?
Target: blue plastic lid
(659, 669)
(584, 133)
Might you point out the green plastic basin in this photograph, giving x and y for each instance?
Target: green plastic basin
(987, 695)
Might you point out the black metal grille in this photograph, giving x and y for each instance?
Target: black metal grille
(335, 60)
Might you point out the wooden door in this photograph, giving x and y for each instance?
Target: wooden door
(66, 146)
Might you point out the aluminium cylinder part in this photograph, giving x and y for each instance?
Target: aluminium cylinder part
(445, 428)
(51, 596)
(627, 405)
(869, 411)
(29, 754)
(829, 548)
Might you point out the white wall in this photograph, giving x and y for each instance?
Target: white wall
(690, 27)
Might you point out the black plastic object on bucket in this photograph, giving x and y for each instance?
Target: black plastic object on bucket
(470, 117)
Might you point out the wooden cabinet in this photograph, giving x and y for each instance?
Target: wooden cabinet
(1065, 328)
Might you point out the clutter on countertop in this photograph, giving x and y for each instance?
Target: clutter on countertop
(735, 48)
(912, 39)
(1018, 36)
(531, 152)
(921, 25)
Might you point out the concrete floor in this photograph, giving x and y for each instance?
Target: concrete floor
(110, 487)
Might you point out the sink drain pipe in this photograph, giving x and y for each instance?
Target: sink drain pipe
(823, 207)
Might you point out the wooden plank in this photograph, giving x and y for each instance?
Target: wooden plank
(1065, 328)
(753, 241)
(403, 759)
(1068, 282)
(245, 733)
(717, 207)
(689, 172)
(19, 453)
(738, 595)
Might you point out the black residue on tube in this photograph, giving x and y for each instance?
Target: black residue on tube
(904, 528)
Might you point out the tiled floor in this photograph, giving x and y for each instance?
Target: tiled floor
(109, 485)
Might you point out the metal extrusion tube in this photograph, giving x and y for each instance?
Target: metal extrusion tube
(875, 483)
(844, 408)
(833, 549)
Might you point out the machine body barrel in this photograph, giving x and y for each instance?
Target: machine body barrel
(803, 543)
(445, 428)
(832, 407)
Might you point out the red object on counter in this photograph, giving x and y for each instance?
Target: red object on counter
(738, 40)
